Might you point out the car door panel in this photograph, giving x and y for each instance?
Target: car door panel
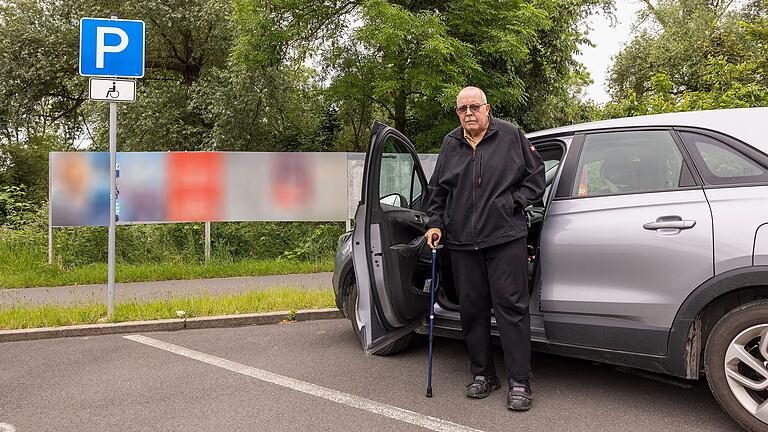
(609, 278)
(388, 256)
(603, 269)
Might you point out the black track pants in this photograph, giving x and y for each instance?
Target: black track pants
(495, 276)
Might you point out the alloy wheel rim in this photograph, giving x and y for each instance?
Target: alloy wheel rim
(746, 370)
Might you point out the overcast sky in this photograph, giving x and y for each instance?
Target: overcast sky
(609, 41)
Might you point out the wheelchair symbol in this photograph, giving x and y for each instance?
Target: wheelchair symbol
(112, 92)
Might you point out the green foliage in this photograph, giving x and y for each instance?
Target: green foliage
(41, 91)
(25, 164)
(284, 75)
(405, 61)
(698, 55)
(266, 75)
(316, 245)
(183, 243)
(164, 251)
(14, 208)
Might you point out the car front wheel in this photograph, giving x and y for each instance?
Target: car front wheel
(736, 362)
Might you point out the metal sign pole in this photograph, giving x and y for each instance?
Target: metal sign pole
(125, 60)
(112, 212)
(50, 215)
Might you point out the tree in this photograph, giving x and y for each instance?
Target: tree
(45, 100)
(697, 55)
(294, 75)
(186, 42)
(43, 97)
(420, 54)
(405, 61)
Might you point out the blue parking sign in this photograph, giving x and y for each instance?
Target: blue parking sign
(111, 48)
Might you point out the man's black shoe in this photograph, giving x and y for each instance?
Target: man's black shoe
(481, 386)
(520, 396)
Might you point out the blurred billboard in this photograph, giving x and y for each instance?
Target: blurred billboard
(208, 186)
(79, 188)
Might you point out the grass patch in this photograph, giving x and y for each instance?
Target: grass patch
(22, 273)
(162, 251)
(280, 299)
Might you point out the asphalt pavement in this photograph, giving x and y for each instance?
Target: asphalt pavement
(313, 376)
(160, 290)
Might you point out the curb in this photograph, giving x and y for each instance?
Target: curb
(220, 321)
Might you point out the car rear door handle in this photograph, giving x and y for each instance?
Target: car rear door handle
(670, 222)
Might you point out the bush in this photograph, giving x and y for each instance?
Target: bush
(167, 243)
(185, 242)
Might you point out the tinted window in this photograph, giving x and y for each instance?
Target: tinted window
(399, 184)
(719, 163)
(551, 154)
(629, 162)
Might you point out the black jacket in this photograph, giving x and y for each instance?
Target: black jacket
(477, 196)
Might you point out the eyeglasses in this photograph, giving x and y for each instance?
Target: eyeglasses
(475, 108)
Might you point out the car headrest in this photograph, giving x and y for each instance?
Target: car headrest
(618, 168)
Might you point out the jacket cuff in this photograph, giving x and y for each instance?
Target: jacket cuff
(520, 200)
(435, 222)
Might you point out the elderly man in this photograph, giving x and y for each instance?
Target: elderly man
(486, 174)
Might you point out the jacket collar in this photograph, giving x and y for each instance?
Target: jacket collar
(458, 133)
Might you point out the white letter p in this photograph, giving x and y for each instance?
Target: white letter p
(101, 48)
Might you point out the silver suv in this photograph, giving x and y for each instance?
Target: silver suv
(648, 250)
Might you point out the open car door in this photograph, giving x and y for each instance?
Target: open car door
(390, 255)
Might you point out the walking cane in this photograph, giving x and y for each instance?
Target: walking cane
(432, 312)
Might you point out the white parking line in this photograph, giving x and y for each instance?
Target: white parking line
(385, 410)
(5, 427)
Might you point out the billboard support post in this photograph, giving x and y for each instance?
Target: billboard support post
(50, 241)
(207, 241)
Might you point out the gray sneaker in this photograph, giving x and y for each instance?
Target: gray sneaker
(481, 386)
(520, 396)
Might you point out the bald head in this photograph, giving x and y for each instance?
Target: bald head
(473, 111)
(470, 92)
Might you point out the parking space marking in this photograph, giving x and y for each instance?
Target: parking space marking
(393, 412)
(5, 427)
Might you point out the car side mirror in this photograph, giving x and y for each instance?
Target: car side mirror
(394, 199)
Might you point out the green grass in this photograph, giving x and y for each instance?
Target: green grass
(281, 299)
(162, 251)
(24, 273)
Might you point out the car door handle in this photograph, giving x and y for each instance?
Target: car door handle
(419, 218)
(670, 222)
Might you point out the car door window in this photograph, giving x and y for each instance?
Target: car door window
(551, 154)
(719, 163)
(399, 185)
(629, 162)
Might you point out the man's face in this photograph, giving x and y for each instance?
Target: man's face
(473, 121)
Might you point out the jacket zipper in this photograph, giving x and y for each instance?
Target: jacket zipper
(474, 155)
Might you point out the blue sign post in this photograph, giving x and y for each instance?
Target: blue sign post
(111, 48)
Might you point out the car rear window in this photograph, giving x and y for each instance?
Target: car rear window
(719, 163)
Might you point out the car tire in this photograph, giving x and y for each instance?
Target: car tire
(740, 336)
(350, 304)
(350, 307)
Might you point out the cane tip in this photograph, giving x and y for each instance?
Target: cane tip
(429, 393)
